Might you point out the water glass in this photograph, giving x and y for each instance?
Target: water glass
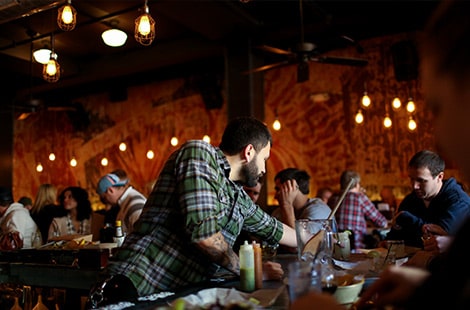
(305, 229)
(299, 278)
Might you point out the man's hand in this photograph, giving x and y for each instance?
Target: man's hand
(272, 271)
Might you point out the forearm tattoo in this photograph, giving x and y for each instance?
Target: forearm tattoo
(221, 253)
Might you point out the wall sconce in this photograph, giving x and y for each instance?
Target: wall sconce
(359, 118)
(67, 17)
(144, 31)
(410, 106)
(114, 37)
(396, 104)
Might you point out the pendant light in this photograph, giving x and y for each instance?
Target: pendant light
(51, 70)
(67, 17)
(144, 31)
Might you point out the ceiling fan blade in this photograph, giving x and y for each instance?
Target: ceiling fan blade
(341, 61)
(274, 50)
(268, 67)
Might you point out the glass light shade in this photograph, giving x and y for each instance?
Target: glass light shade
(144, 31)
(396, 103)
(387, 121)
(67, 17)
(206, 139)
(42, 55)
(114, 37)
(365, 100)
(276, 125)
(359, 118)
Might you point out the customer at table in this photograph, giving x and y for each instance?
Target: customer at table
(356, 209)
(434, 200)
(15, 218)
(74, 200)
(195, 212)
(445, 71)
(45, 208)
(324, 193)
(120, 194)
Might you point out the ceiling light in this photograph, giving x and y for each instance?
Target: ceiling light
(67, 17)
(42, 55)
(144, 31)
(51, 70)
(359, 118)
(114, 37)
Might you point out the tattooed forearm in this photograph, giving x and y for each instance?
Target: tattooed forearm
(220, 252)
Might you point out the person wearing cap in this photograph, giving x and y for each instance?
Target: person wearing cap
(119, 193)
(14, 217)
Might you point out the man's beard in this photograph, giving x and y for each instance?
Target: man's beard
(250, 174)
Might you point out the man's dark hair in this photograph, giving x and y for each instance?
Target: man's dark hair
(6, 196)
(300, 176)
(428, 159)
(242, 131)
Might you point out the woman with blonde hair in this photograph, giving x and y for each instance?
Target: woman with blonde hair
(45, 208)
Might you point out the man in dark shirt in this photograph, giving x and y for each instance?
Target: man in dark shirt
(433, 201)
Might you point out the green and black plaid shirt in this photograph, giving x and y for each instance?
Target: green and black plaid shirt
(192, 200)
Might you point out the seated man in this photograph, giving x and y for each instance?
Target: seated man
(14, 217)
(433, 201)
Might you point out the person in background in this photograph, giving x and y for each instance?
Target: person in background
(324, 193)
(434, 200)
(445, 72)
(26, 202)
(254, 191)
(357, 209)
(193, 216)
(14, 217)
(118, 193)
(45, 208)
(74, 200)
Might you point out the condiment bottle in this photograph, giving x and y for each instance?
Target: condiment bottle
(258, 265)
(247, 267)
(118, 235)
(40, 305)
(16, 305)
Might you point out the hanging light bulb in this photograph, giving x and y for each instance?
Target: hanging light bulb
(144, 31)
(150, 154)
(387, 121)
(396, 103)
(104, 162)
(51, 70)
(365, 101)
(410, 106)
(39, 167)
(51, 156)
(73, 162)
(174, 141)
(359, 118)
(122, 146)
(412, 124)
(206, 139)
(67, 17)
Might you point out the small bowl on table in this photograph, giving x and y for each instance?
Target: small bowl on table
(349, 288)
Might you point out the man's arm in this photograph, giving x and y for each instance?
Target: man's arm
(219, 251)
(288, 236)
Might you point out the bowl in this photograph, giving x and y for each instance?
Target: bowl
(347, 294)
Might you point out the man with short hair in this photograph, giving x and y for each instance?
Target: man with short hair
(434, 200)
(120, 194)
(193, 216)
(14, 217)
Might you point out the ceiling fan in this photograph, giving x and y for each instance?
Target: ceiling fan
(303, 53)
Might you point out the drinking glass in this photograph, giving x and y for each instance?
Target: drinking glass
(307, 229)
(299, 278)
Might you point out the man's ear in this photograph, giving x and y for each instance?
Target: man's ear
(248, 153)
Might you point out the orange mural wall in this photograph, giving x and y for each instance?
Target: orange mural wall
(318, 131)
